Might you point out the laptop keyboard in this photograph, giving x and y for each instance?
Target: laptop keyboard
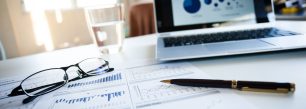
(225, 36)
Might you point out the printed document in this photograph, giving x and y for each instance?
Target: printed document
(138, 88)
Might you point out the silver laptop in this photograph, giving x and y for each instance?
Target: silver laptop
(208, 28)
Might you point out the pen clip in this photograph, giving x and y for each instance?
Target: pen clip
(277, 90)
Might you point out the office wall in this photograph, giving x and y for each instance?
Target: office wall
(18, 35)
(72, 31)
(128, 5)
(23, 29)
(7, 32)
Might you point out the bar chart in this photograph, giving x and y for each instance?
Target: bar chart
(101, 80)
(107, 96)
(116, 97)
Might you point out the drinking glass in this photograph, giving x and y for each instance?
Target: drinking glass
(107, 26)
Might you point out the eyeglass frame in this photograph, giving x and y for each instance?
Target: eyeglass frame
(81, 74)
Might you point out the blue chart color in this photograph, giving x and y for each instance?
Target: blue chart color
(108, 96)
(192, 6)
(114, 77)
(208, 2)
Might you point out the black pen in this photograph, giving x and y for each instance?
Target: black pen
(234, 84)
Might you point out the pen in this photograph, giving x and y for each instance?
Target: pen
(256, 86)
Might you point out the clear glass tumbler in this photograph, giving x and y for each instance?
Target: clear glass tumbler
(107, 26)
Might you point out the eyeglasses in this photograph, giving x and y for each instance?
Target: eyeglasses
(49, 80)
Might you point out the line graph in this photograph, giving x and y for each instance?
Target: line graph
(156, 72)
(160, 93)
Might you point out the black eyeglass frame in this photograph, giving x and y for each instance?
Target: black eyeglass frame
(82, 74)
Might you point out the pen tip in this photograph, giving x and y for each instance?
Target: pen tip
(166, 81)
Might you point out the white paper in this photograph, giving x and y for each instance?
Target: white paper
(141, 88)
(6, 86)
(136, 88)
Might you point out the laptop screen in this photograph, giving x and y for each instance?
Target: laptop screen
(175, 15)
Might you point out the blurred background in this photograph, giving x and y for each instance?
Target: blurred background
(36, 26)
(290, 9)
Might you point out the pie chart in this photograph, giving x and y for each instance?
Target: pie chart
(192, 6)
(207, 2)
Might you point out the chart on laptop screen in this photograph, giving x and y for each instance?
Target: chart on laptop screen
(209, 11)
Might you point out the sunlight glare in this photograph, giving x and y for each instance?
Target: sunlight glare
(42, 30)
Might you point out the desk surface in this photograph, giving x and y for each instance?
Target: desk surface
(280, 66)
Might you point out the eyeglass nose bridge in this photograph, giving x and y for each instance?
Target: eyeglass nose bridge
(66, 77)
(79, 72)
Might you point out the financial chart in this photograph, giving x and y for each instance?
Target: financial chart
(211, 11)
(162, 94)
(101, 80)
(132, 88)
(92, 83)
(147, 90)
(155, 72)
(192, 6)
(136, 88)
(94, 99)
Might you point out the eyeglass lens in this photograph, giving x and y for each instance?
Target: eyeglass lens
(44, 82)
(94, 66)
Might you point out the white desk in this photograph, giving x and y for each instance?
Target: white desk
(285, 66)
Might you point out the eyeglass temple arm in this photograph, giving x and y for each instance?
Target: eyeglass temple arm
(107, 70)
(98, 68)
(31, 98)
(18, 90)
(37, 88)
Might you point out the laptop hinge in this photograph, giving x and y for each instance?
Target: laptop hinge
(164, 34)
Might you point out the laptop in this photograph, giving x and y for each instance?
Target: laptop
(209, 28)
